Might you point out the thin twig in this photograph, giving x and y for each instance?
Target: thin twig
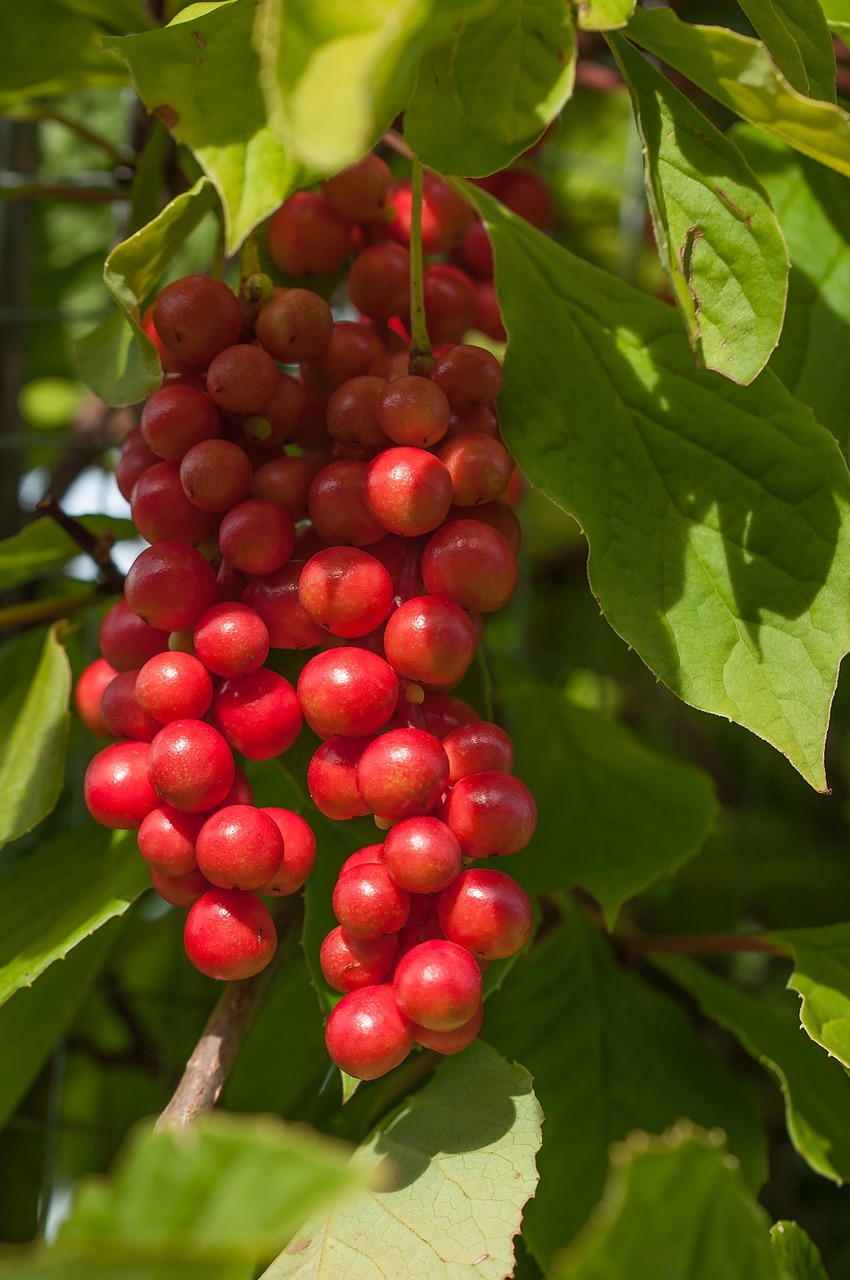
(97, 547)
(30, 613)
(44, 115)
(702, 944)
(421, 358)
(238, 1005)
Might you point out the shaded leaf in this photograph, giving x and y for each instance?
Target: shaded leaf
(118, 361)
(816, 1092)
(72, 883)
(119, 16)
(335, 77)
(36, 1018)
(737, 71)
(685, 1194)
(612, 815)
(608, 1055)
(813, 207)
(822, 977)
(50, 1264)
(796, 1254)
(44, 545)
(34, 724)
(716, 514)
(718, 238)
(199, 75)
(56, 50)
(458, 1164)
(487, 95)
(797, 38)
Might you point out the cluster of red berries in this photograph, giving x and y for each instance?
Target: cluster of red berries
(351, 506)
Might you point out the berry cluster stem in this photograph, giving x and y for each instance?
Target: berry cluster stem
(421, 358)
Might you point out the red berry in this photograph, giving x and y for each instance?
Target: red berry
(117, 790)
(487, 912)
(438, 985)
(196, 317)
(126, 641)
(123, 715)
(295, 325)
(307, 237)
(347, 691)
(346, 590)
(167, 840)
(349, 963)
(422, 855)
(402, 773)
(231, 640)
(258, 714)
(191, 766)
(332, 778)
(182, 890)
(229, 934)
(257, 536)
(366, 1034)
(367, 903)
(170, 585)
(174, 686)
(430, 640)
(450, 1041)
(408, 490)
(473, 748)
(472, 564)
(177, 417)
(242, 378)
(239, 847)
(491, 813)
(88, 693)
(299, 852)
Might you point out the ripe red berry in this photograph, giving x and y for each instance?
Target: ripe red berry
(472, 564)
(229, 934)
(258, 714)
(361, 191)
(117, 790)
(231, 640)
(348, 691)
(402, 773)
(413, 411)
(295, 325)
(430, 640)
(167, 840)
(487, 912)
(257, 536)
(366, 1034)
(215, 475)
(338, 509)
(123, 715)
(468, 375)
(161, 511)
(126, 641)
(473, 748)
(88, 693)
(170, 585)
(307, 237)
(491, 813)
(332, 778)
(196, 317)
(177, 417)
(408, 490)
(349, 963)
(182, 890)
(422, 855)
(239, 847)
(191, 766)
(346, 590)
(174, 686)
(368, 903)
(299, 853)
(438, 985)
(274, 597)
(450, 1041)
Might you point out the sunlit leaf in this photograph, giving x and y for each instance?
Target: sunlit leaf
(797, 38)
(822, 977)
(796, 1254)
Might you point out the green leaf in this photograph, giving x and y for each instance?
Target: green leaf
(72, 884)
(459, 1160)
(119, 16)
(822, 977)
(717, 236)
(837, 14)
(487, 95)
(36, 1018)
(797, 38)
(54, 51)
(716, 514)
(737, 71)
(199, 75)
(608, 1055)
(44, 546)
(34, 724)
(229, 1189)
(335, 76)
(50, 1264)
(813, 207)
(118, 361)
(816, 1092)
(684, 1194)
(798, 1257)
(603, 15)
(613, 815)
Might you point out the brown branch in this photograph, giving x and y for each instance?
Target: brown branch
(702, 944)
(98, 547)
(239, 1003)
(30, 613)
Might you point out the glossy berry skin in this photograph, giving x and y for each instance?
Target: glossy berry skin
(196, 317)
(349, 691)
(379, 281)
(407, 490)
(367, 903)
(473, 748)
(229, 934)
(468, 375)
(215, 475)
(170, 585)
(366, 1034)
(299, 853)
(239, 847)
(402, 774)
(422, 855)
(295, 325)
(438, 985)
(307, 237)
(480, 468)
(258, 714)
(332, 778)
(257, 536)
(274, 596)
(338, 508)
(231, 640)
(487, 912)
(413, 411)
(346, 590)
(161, 511)
(361, 191)
(349, 963)
(491, 813)
(472, 564)
(126, 641)
(167, 840)
(442, 713)
(241, 378)
(369, 854)
(430, 640)
(182, 890)
(116, 787)
(174, 686)
(88, 693)
(177, 417)
(123, 716)
(191, 766)
(351, 416)
(455, 1041)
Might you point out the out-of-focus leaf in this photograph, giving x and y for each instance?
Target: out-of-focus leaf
(822, 977)
(673, 1206)
(459, 1166)
(199, 75)
(717, 515)
(796, 1253)
(72, 884)
(118, 361)
(49, 51)
(608, 1055)
(603, 15)
(797, 38)
(737, 71)
(717, 236)
(34, 724)
(612, 815)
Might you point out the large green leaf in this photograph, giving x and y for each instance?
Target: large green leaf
(199, 75)
(673, 1206)
(44, 545)
(796, 1254)
(813, 206)
(603, 15)
(737, 71)
(71, 885)
(459, 1164)
(822, 977)
(797, 38)
(716, 514)
(118, 361)
(613, 815)
(38, 1016)
(717, 236)
(120, 16)
(335, 76)
(816, 1092)
(488, 94)
(608, 1055)
(52, 51)
(34, 724)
